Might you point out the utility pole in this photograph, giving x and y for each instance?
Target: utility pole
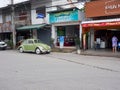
(13, 24)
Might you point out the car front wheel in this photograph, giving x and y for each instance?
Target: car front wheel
(21, 50)
(37, 51)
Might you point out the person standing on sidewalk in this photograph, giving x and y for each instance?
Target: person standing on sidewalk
(114, 43)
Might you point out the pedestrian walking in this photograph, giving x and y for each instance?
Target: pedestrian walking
(114, 43)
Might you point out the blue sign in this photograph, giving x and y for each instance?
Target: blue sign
(64, 16)
(61, 38)
(61, 41)
(40, 15)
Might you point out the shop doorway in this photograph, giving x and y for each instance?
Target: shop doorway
(104, 37)
(69, 33)
(21, 35)
(44, 35)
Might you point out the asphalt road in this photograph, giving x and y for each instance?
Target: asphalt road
(58, 71)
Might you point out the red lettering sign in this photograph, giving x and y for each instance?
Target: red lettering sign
(100, 24)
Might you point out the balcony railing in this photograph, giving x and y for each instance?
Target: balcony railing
(19, 23)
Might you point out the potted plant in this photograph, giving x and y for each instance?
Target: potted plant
(77, 43)
(52, 42)
(10, 44)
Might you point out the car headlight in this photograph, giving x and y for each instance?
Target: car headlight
(41, 48)
(49, 47)
(5, 44)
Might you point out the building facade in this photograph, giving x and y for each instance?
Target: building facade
(65, 21)
(37, 19)
(5, 24)
(44, 12)
(39, 16)
(21, 17)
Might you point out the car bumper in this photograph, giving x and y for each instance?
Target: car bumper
(3, 47)
(46, 51)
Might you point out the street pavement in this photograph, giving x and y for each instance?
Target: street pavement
(100, 62)
(58, 71)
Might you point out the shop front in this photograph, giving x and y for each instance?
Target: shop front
(98, 32)
(101, 32)
(39, 31)
(69, 33)
(65, 27)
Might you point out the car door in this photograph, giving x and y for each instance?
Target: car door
(25, 44)
(30, 46)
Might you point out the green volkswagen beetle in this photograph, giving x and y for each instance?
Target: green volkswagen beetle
(34, 45)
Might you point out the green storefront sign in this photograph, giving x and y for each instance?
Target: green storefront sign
(64, 16)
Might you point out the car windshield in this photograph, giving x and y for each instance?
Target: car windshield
(37, 41)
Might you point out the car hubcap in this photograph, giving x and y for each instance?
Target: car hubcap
(37, 51)
(21, 50)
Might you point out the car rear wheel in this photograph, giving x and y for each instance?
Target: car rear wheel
(37, 51)
(21, 50)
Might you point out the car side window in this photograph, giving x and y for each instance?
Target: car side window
(30, 42)
(25, 42)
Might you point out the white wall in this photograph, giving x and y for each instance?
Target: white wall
(36, 20)
(81, 16)
(37, 4)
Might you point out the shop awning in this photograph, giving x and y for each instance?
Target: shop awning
(32, 27)
(99, 23)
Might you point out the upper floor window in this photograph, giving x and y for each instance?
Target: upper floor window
(7, 18)
(23, 16)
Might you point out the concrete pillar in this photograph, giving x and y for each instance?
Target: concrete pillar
(92, 38)
(54, 34)
(35, 34)
(13, 25)
(80, 34)
(89, 40)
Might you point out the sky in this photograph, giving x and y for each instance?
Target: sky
(4, 3)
